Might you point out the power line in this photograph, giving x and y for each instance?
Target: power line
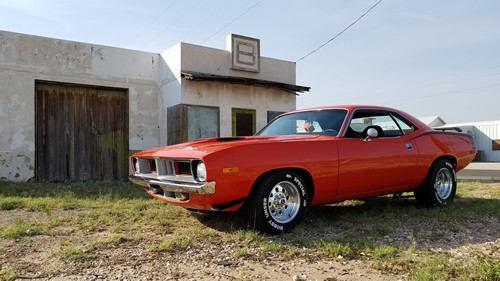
(175, 21)
(222, 28)
(340, 33)
(397, 91)
(445, 93)
(150, 23)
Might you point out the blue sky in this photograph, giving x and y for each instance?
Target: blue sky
(425, 57)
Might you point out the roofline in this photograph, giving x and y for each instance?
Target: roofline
(199, 76)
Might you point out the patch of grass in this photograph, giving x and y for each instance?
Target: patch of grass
(48, 196)
(75, 252)
(485, 268)
(7, 274)
(271, 246)
(23, 228)
(10, 203)
(334, 248)
(383, 251)
(246, 236)
(171, 243)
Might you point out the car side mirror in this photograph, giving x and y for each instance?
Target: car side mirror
(370, 134)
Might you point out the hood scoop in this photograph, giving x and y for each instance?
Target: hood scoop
(230, 139)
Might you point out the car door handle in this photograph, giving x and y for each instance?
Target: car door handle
(409, 146)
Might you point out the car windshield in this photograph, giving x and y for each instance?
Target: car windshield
(324, 122)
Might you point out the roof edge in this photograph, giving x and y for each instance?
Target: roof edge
(199, 76)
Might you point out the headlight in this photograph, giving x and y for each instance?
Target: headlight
(201, 172)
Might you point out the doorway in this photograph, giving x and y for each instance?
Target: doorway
(243, 122)
(81, 132)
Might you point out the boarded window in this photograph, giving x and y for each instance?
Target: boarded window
(203, 122)
(190, 122)
(81, 133)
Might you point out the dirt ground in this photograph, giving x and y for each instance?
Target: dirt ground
(39, 257)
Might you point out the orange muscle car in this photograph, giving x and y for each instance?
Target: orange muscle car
(308, 157)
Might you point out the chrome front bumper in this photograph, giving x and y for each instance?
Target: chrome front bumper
(182, 187)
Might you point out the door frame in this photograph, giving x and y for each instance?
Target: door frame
(234, 113)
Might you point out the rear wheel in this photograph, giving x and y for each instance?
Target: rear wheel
(278, 203)
(440, 185)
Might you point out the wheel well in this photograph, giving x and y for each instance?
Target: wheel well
(301, 172)
(450, 158)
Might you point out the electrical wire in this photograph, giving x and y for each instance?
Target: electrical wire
(445, 93)
(231, 22)
(398, 91)
(150, 23)
(340, 33)
(191, 8)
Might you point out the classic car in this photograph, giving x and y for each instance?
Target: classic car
(305, 158)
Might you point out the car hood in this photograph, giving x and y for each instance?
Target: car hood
(202, 147)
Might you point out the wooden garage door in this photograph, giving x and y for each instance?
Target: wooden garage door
(81, 133)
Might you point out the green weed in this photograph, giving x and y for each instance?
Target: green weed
(7, 274)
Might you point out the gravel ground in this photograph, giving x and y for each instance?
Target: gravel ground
(39, 257)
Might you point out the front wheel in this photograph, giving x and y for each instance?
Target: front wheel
(278, 203)
(439, 187)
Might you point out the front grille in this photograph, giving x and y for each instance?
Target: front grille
(183, 168)
(179, 170)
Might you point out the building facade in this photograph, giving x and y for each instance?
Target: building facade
(74, 111)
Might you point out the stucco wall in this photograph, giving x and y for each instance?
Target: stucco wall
(25, 59)
(215, 61)
(227, 96)
(153, 82)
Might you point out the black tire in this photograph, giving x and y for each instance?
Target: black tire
(439, 187)
(278, 203)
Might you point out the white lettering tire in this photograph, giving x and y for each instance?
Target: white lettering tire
(278, 203)
(439, 187)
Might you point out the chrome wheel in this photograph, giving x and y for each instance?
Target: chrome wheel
(284, 202)
(444, 183)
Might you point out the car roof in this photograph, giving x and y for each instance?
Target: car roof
(351, 108)
(348, 107)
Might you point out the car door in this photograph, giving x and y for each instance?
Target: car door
(383, 164)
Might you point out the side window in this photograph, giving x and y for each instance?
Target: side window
(404, 124)
(382, 121)
(389, 127)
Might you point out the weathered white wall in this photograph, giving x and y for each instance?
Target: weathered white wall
(227, 96)
(26, 58)
(215, 61)
(153, 82)
(170, 82)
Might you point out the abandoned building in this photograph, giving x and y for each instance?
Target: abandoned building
(74, 111)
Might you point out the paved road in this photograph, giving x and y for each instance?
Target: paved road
(481, 171)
